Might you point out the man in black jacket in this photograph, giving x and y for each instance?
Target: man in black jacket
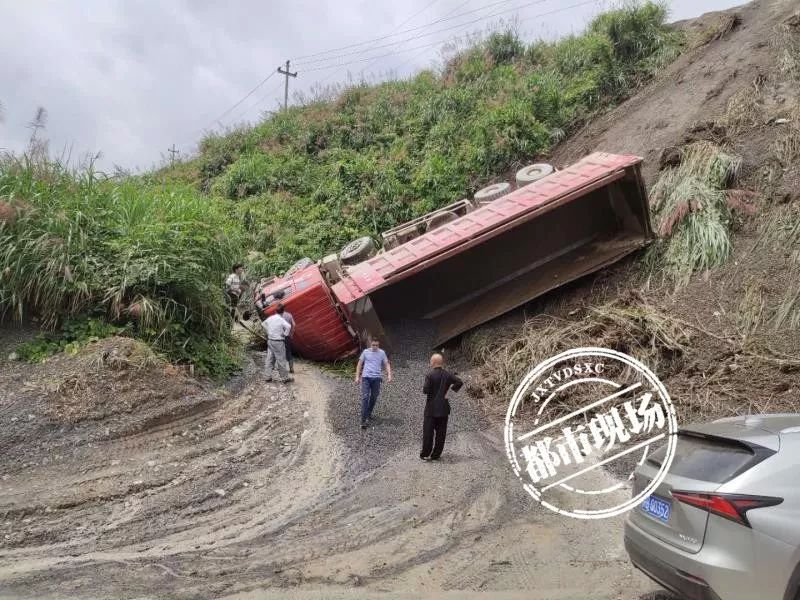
(438, 382)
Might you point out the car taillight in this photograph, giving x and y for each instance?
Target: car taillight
(728, 506)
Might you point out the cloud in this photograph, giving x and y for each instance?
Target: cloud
(129, 78)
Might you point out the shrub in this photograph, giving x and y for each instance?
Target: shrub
(693, 212)
(504, 47)
(130, 252)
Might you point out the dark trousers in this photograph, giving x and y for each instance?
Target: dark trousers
(289, 355)
(431, 426)
(233, 302)
(370, 389)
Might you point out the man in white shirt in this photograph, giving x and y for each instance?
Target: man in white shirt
(277, 329)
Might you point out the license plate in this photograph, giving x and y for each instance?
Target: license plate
(657, 507)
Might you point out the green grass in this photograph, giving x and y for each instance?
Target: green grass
(693, 213)
(307, 181)
(83, 245)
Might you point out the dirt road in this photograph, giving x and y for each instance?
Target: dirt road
(257, 491)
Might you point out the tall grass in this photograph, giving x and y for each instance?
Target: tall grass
(781, 234)
(693, 213)
(81, 244)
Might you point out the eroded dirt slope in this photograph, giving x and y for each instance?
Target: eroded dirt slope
(732, 50)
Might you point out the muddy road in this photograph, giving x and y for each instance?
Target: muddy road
(166, 488)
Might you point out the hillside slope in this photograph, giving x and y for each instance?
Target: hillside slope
(727, 341)
(696, 89)
(378, 155)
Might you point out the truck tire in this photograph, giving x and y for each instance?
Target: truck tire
(533, 173)
(298, 266)
(357, 250)
(439, 219)
(492, 192)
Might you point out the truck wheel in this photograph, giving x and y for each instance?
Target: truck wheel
(298, 266)
(533, 173)
(492, 192)
(439, 219)
(357, 250)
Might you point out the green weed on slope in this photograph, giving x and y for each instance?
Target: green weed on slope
(306, 181)
(130, 252)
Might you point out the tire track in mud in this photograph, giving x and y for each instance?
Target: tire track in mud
(166, 494)
(141, 511)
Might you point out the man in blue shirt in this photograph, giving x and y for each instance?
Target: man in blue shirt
(369, 374)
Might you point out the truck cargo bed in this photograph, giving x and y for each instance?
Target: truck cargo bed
(508, 252)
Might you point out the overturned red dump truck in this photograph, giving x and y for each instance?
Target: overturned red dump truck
(474, 263)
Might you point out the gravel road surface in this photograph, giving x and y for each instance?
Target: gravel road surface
(167, 488)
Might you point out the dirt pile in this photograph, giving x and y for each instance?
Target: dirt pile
(738, 342)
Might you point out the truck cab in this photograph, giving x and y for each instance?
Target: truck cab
(321, 330)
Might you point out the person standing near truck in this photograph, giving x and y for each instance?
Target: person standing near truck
(277, 329)
(438, 382)
(234, 285)
(369, 374)
(287, 316)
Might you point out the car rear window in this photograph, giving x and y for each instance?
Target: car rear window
(706, 459)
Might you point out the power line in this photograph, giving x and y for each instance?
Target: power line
(422, 35)
(460, 6)
(381, 38)
(435, 43)
(411, 18)
(457, 8)
(245, 97)
(273, 92)
(459, 26)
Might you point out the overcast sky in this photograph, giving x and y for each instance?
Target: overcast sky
(129, 78)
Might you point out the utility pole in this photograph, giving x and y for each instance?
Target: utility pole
(287, 74)
(172, 152)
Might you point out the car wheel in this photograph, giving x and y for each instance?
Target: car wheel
(439, 219)
(357, 250)
(533, 173)
(492, 192)
(298, 266)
